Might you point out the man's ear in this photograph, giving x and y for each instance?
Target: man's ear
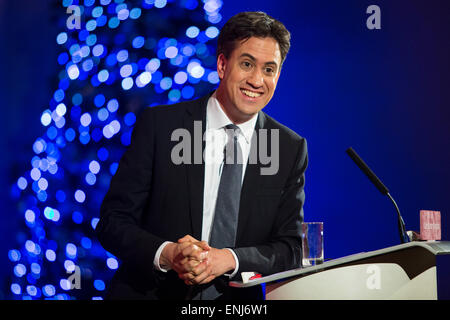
(221, 65)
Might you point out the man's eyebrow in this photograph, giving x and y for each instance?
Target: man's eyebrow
(254, 59)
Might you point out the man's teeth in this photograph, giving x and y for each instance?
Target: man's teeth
(250, 93)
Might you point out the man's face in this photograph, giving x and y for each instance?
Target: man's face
(248, 77)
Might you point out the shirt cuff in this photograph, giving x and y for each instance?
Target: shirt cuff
(158, 255)
(237, 264)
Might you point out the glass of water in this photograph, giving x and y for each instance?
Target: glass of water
(312, 243)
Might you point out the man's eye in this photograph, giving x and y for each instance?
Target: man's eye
(246, 65)
(269, 70)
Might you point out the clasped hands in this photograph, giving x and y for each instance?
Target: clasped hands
(195, 261)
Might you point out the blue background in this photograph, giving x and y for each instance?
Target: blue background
(383, 92)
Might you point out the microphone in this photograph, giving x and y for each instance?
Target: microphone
(381, 187)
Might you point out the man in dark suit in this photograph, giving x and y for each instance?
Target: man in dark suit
(183, 224)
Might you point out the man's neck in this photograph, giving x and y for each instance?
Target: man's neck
(233, 116)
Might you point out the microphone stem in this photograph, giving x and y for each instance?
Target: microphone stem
(401, 223)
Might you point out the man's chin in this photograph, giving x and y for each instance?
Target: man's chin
(250, 110)
(246, 115)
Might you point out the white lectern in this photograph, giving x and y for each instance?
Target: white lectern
(414, 270)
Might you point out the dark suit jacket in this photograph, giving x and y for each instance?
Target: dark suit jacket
(152, 200)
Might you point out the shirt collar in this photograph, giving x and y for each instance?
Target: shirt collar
(216, 119)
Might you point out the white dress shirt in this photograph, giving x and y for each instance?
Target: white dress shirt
(215, 141)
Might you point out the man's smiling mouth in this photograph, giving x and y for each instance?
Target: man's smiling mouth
(251, 94)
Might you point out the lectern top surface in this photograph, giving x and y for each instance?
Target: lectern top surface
(435, 247)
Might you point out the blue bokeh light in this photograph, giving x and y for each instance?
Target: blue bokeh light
(135, 13)
(60, 196)
(85, 119)
(127, 83)
(70, 134)
(22, 183)
(103, 75)
(98, 50)
(35, 174)
(35, 268)
(14, 255)
(80, 196)
(49, 290)
(130, 119)
(86, 243)
(99, 285)
(122, 55)
(113, 105)
(16, 289)
(126, 70)
(73, 72)
(20, 270)
(71, 251)
(212, 32)
(77, 217)
(192, 31)
(103, 154)
(102, 114)
(30, 216)
(46, 118)
(138, 42)
(112, 263)
(50, 255)
(94, 166)
(94, 222)
(143, 79)
(61, 38)
(171, 52)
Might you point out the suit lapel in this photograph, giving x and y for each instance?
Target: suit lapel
(195, 123)
(251, 180)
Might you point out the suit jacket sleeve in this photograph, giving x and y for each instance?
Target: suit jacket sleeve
(283, 250)
(119, 229)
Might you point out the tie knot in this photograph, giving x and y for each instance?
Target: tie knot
(232, 130)
(231, 126)
(232, 150)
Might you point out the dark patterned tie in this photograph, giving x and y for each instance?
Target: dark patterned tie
(224, 227)
(223, 232)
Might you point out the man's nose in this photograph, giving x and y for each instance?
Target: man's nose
(256, 79)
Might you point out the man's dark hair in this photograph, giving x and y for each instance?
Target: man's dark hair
(258, 24)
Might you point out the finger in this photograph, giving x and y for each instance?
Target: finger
(199, 269)
(190, 250)
(207, 280)
(196, 275)
(198, 251)
(191, 265)
(194, 252)
(204, 245)
(187, 238)
(184, 245)
(189, 282)
(204, 277)
(185, 265)
(180, 259)
(187, 276)
(183, 251)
